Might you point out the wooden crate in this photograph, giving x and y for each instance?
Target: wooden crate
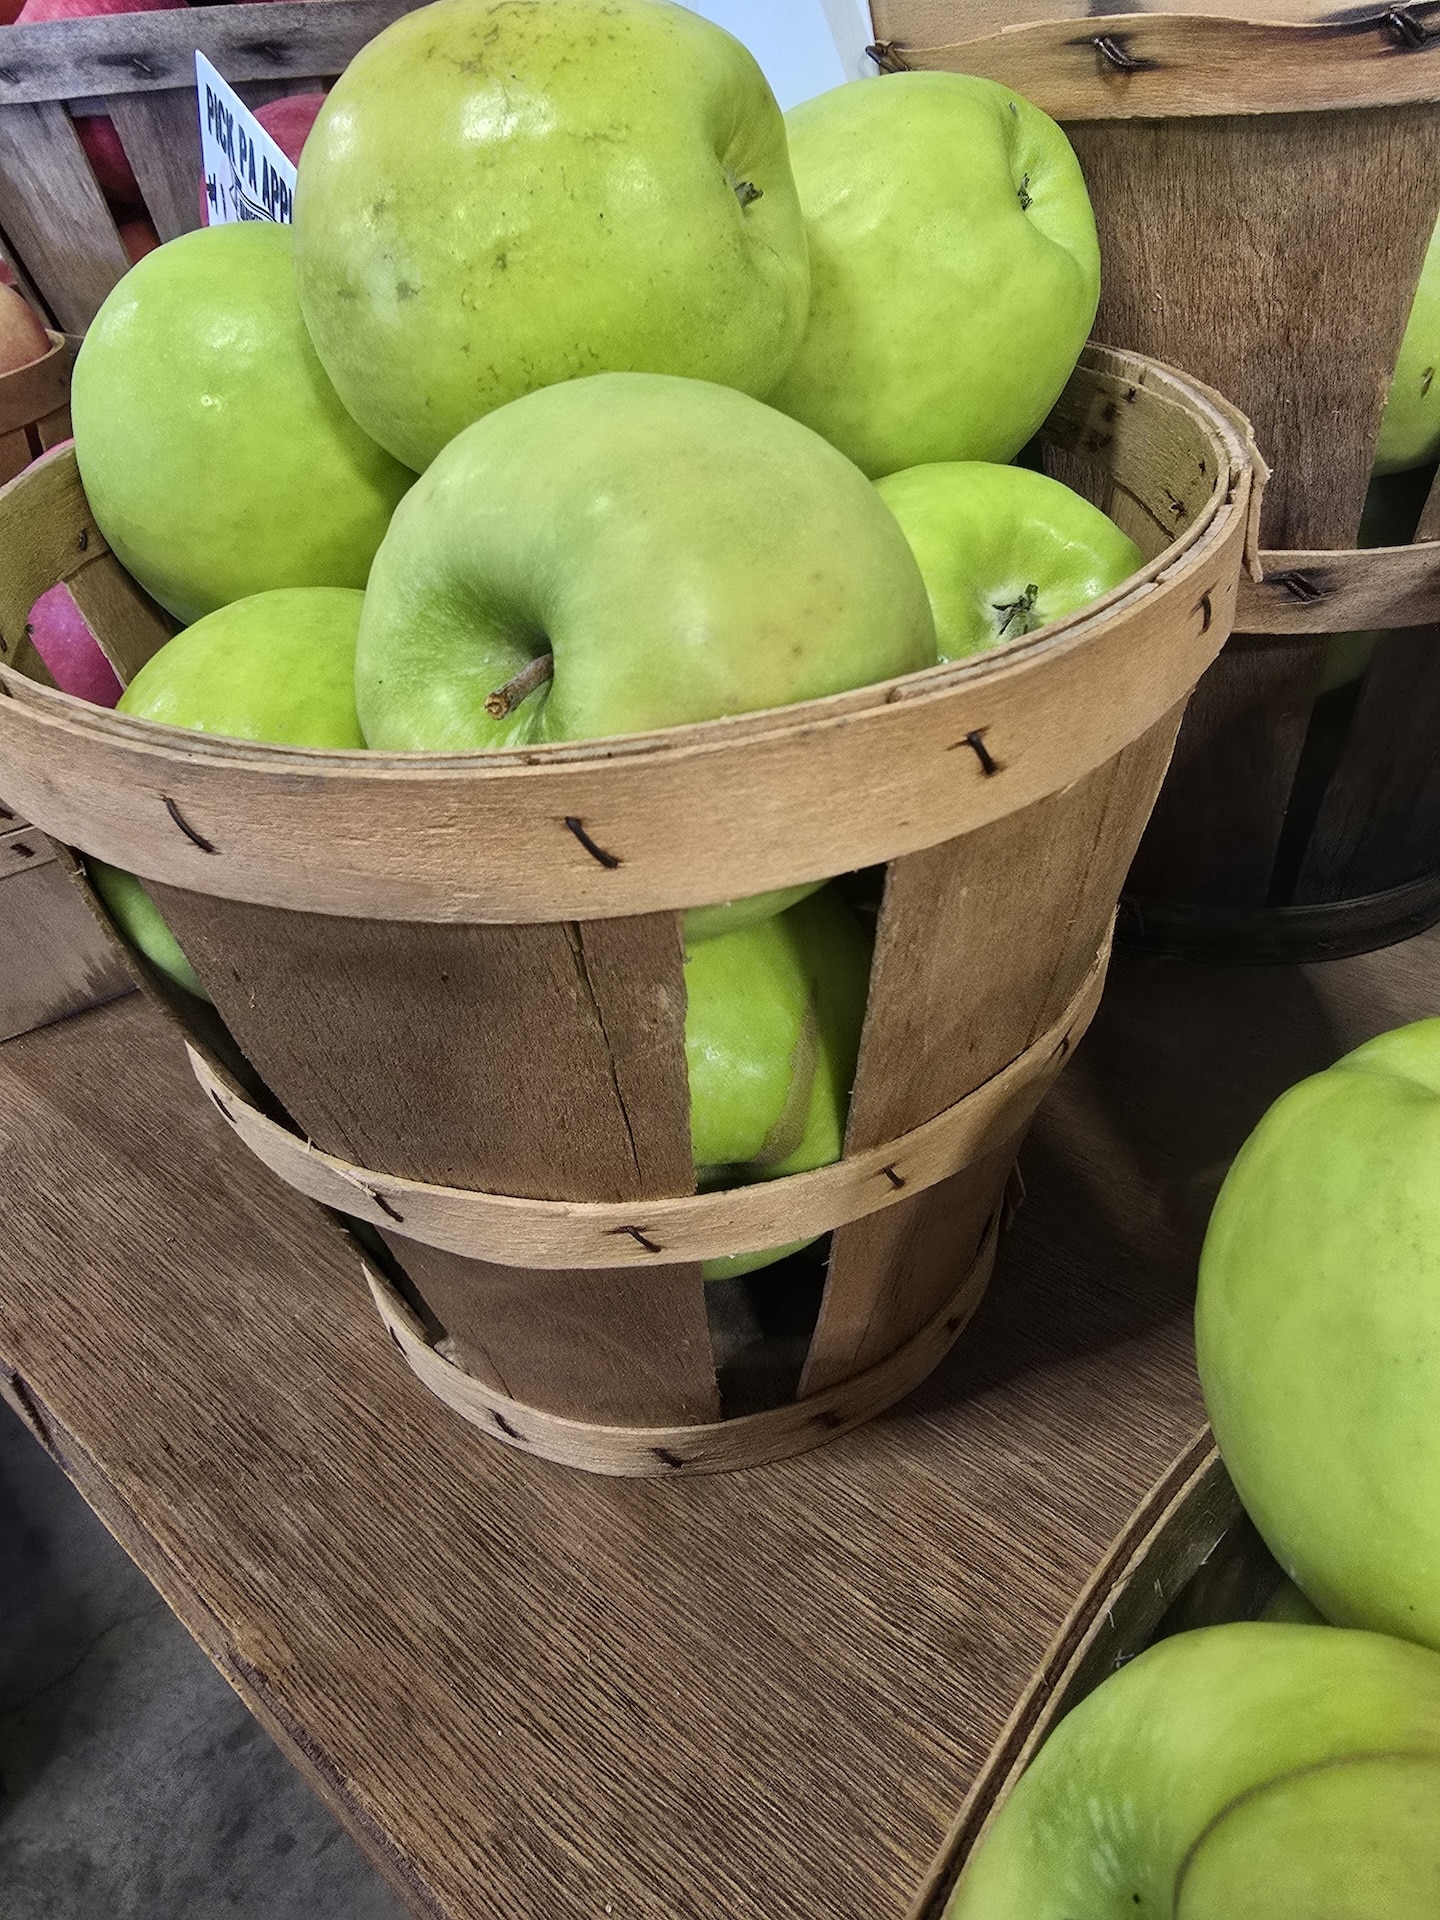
(56, 231)
(1189, 1556)
(1265, 191)
(460, 976)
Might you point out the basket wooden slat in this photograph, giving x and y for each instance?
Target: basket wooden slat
(160, 133)
(53, 214)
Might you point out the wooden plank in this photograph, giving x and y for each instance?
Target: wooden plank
(145, 53)
(54, 961)
(1296, 315)
(890, 1272)
(52, 210)
(961, 985)
(1379, 823)
(1116, 66)
(1213, 836)
(160, 133)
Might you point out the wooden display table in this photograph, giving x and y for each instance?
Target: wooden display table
(535, 1695)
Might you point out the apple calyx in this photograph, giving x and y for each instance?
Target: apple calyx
(505, 699)
(746, 192)
(1022, 193)
(1016, 614)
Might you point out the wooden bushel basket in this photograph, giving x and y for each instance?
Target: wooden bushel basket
(1188, 1557)
(56, 231)
(460, 976)
(1265, 192)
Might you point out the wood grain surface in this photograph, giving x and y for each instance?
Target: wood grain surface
(755, 1697)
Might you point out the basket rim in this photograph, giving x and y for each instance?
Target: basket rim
(715, 810)
(1229, 431)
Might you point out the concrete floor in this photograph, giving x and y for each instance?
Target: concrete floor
(133, 1784)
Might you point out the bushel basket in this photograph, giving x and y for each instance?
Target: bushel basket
(1265, 192)
(459, 977)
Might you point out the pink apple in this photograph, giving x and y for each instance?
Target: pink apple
(61, 635)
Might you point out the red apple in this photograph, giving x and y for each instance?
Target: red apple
(138, 237)
(62, 637)
(23, 338)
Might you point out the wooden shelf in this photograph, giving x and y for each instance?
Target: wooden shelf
(534, 1695)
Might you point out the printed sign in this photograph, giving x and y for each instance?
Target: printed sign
(246, 175)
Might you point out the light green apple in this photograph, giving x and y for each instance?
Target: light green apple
(1410, 429)
(1289, 1607)
(677, 549)
(138, 918)
(1318, 1333)
(278, 666)
(216, 456)
(954, 269)
(1003, 550)
(502, 194)
(1243, 1772)
(772, 1033)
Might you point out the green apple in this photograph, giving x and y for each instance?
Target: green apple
(1318, 1333)
(1244, 1772)
(1410, 429)
(1289, 1606)
(675, 549)
(138, 918)
(503, 194)
(216, 456)
(279, 666)
(954, 269)
(1003, 550)
(772, 1033)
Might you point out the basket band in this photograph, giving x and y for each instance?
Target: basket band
(750, 1440)
(517, 1232)
(1129, 66)
(1342, 591)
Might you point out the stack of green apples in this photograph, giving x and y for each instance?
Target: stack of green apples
(709, 412)
(1284, 1769)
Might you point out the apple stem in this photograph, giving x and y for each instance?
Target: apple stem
(1017, 612)
(505, 699)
